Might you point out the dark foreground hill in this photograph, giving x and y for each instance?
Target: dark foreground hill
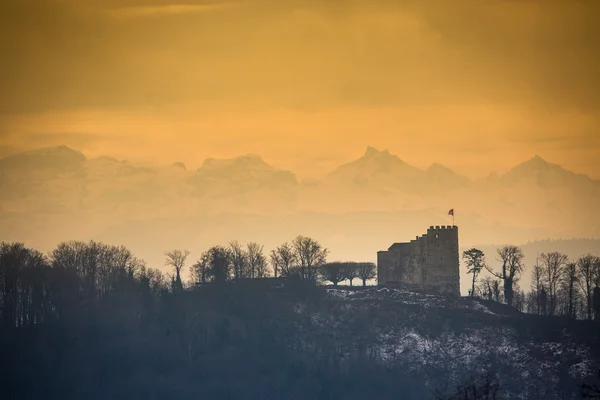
(448, 342)
(234, 341)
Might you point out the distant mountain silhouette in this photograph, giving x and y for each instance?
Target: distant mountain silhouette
(42, 161)
(385, 172)
(241, 174)
(539, 172)
(57, 192)
(375, 168)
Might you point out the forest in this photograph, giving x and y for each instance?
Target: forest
(91, 320)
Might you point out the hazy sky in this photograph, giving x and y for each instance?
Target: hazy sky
(476, 85)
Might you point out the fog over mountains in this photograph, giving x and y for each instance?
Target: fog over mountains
(53, 194)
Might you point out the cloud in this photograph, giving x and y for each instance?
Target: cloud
(544, 52)
(164, 10)
(301, 55)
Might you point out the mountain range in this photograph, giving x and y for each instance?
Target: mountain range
(53, 194)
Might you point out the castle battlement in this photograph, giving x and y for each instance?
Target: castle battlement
(429, 262)
(442, 228)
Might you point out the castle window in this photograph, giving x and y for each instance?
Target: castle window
(437, 236)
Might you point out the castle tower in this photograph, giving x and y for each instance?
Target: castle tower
(441, 260)
(429, 263)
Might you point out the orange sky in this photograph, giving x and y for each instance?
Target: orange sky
(477, 86)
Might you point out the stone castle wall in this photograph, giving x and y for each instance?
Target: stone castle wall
(429, 263)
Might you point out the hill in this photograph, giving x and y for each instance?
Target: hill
(248, 340)
(446, 341)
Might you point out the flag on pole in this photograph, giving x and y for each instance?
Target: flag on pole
(451, 212)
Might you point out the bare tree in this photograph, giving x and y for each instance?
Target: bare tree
(569, 281)
(283, 260)
(239, 260)
(309, 255)
(23, 284)
(544, 301)
(176, 259)
(519, 300)
(537, 284)
(257, 262)
(553, 264)
(585, 281)
(91, 259)
(201, 270)
(487, 287)
(332, 272)
(511, 258)
(475, 260)
(350, 271)
(596, 303)
(13, 257)
(220, 263)
(152, 279)
(33, 288)
(116, 265)
(497, 289)
(366, 271)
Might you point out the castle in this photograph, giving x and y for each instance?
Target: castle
(429, 263)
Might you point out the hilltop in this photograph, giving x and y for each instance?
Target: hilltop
(247, 341)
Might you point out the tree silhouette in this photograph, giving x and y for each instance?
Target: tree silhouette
(537, 285)
(553, 264)
(544, 301)
(176, 259)
(350, 271)
(486, 288)
(511, 258)
(239, 260)
(201, 270)
(309, 256)
(585, 271)
(333, 272)
(13, 257)
(220, 263)
(366, 271)
(475, 261)
(257, 262)
(283, 260)
(569, 281)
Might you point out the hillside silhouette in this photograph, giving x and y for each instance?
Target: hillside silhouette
(90, 320)
(356, 209)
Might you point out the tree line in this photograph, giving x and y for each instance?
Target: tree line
(559, 286)
(34, 286)
(92, 320)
